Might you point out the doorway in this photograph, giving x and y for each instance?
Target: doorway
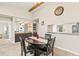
(25, 28)
(35, 25)
(4, 31)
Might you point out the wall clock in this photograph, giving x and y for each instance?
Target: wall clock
(59, 10)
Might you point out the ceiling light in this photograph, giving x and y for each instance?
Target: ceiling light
(37, 2)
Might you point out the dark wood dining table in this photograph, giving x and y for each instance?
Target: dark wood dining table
(36, 42)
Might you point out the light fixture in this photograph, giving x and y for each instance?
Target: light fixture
(37, 2)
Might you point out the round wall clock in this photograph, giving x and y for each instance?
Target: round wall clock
(59, 10)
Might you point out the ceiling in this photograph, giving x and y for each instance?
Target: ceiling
(24, 5)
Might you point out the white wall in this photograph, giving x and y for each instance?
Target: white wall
(14, 11)
(71, 14)
(67, 42)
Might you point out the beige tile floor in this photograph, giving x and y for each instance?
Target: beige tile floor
(9, 49)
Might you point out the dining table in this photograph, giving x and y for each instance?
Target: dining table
(36, 43)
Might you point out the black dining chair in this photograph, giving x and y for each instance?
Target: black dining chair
(25, 49)
(48, 48)
(48, 36)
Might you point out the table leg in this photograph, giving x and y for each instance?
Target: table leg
(36, 52)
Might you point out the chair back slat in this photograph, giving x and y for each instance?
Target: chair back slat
(50, 46)
(48, 36)
(23, 48)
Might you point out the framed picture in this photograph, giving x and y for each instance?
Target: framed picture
(74, 29)
(50, 28)
(60, 28)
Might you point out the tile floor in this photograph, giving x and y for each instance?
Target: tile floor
(9, 49)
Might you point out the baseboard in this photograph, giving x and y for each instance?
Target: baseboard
(64, 52)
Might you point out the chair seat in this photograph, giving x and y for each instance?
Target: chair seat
(42, 47)
(30, 47)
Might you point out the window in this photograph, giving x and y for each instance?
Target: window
(60, 28)
(50, 28)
